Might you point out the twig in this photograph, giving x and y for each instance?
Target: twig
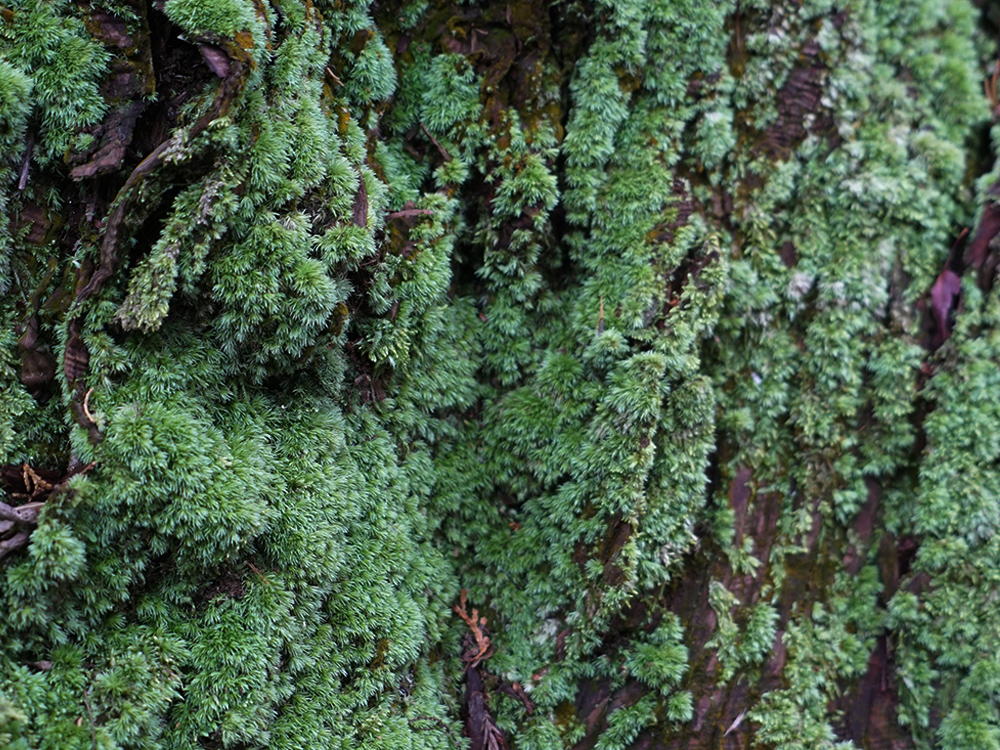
(333, 76)
(407, 212)
(964, 232)
(736, 723)
(21, 515)
(444, 152)
(259, 574)
(86, 406)
(22, 183)
(90, 715)
(515, 691)
(17, 541)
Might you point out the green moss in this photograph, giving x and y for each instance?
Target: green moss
(52, 50)
(575, 311)
(222, 17)
(15, 93)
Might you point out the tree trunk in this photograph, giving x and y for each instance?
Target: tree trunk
(586, 374)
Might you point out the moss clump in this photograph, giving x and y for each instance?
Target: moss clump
(222, 17)
(611, 314)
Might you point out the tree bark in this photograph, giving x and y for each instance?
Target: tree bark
(664, 332)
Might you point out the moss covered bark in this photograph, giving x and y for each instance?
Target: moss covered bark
(650, 326)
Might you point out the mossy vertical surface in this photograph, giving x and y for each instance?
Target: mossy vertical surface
(648, 324)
